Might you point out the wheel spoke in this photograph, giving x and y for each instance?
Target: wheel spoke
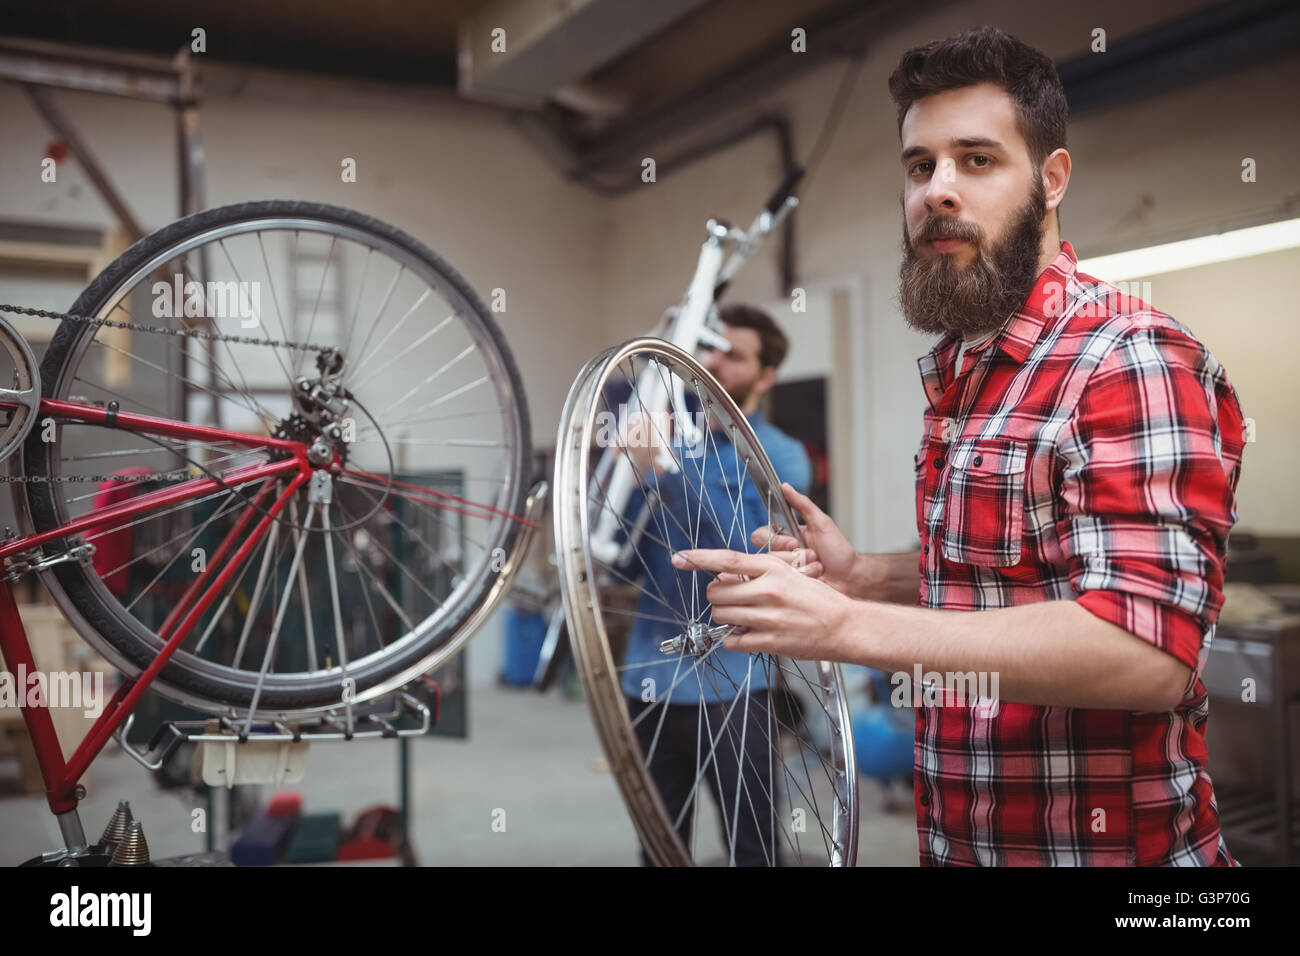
(279, 621)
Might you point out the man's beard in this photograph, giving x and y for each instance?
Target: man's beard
(938, 296)
(740, 394)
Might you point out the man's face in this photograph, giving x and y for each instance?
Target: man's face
(973, 211)
(739, 371)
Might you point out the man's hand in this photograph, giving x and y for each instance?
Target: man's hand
(832, 557)
(784, 612)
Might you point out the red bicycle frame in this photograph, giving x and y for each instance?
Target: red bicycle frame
(291, 466)
(60, 775)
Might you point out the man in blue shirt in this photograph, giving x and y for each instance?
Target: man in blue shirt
(701, 499)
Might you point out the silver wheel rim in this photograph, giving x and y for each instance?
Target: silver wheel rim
(581, 575)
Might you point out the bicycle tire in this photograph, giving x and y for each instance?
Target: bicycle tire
(102, 620)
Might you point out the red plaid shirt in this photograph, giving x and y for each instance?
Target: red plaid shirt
(1088, 451)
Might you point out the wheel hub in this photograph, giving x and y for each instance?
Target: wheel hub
(321, 418)
(697, 640)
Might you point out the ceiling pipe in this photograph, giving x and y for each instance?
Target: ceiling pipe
(1191, 49)
(770, 124)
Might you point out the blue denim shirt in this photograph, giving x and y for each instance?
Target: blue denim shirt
(704, 481)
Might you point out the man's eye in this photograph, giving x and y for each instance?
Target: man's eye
(982, 160)
(917, 168)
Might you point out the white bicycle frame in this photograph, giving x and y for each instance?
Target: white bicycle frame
(722, 255)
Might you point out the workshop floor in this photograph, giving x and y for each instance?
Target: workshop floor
(534, 757)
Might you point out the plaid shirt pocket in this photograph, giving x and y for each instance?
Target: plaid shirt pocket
(984, 510)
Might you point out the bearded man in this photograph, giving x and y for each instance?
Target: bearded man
(1075, 487)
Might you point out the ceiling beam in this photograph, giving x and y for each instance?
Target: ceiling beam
(549, 46)
(89, 69)
(842, 30)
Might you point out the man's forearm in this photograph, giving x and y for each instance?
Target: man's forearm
(892, 578)
(1053, 653)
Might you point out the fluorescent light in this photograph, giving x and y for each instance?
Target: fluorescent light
(1188, 253)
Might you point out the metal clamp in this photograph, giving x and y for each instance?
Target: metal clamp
(329, 726)
(164, 752)
(28, 561)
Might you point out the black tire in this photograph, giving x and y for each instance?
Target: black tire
(199, 681)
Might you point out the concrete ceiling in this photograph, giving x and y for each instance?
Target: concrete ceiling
(404, 40)
(587, 79)
(593, 81)
(593, 59)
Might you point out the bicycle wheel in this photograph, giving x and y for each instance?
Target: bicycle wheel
(365, 576)
(771, 736)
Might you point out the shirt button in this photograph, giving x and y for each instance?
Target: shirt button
(926, 549)
(979, 460)
(938, 462)
(925, 799)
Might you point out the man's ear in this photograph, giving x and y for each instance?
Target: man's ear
(766, 379)
(1056, 177)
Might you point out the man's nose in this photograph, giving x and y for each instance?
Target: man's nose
(941, 192)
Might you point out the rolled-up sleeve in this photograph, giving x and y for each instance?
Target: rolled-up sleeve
(1150, 460)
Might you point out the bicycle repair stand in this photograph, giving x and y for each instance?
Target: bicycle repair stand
(230, 733)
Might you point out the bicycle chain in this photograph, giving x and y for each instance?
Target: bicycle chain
(201, 334)
(162, 330)
(125, 479)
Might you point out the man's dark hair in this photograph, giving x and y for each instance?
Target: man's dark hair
(987, 55)
(774, 345)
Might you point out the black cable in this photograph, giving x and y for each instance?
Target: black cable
(833, 117)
